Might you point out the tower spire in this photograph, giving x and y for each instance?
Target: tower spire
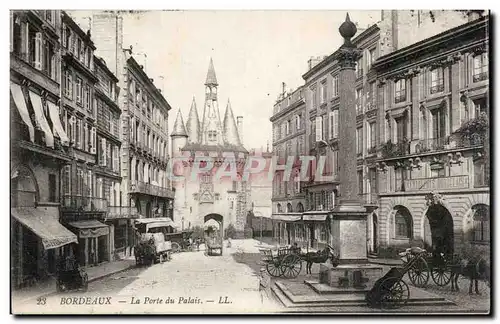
(193, 124)
(231, 135)
(179, 129)
(211, 78)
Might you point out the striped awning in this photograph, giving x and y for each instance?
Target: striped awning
(315, 216)
(56, 122)
(36, 102)
(18, 96)
(289, 217)
(45, 225)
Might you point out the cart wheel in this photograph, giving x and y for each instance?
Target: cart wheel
(291, 266)
(441, 275)
(273, 269)
(419, 273)
(176, 248)
(394, 293)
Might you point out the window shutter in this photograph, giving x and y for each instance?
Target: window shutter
(318, 129)
(78, 133)
(103, 152)
(92, 140)
(335, 124)
(64, 35)
(38, 51)
(330, 129)
(115, 158)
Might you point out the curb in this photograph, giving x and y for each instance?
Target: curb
(90, 280)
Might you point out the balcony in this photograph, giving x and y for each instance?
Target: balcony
(122, 212)
(150, 189)
(87, 204)
(369, 198)
(392, 150)
(437, 183)
(437, 88)
(480, 77)
(400, 98)
(432, 144)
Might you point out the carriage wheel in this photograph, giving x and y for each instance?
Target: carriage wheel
(273, 269)
(395, 293)
(291, 266)
(441, 275)
(176, 248)
(419, 273)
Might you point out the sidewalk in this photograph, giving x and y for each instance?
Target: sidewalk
(49, 286)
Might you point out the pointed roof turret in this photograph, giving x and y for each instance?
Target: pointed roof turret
(193, 124)
(211, 78)
(179, 129)
(230, 134)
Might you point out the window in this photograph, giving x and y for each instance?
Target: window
(319, 128)
(78, 133)
(438, 124)
(359, 140)
(66, 180)
(400, 129)
(16, 34)
(323, 92)
(437, 80)
(78, 48)
(372, 56)
(212, 136)
(371, 96)
(49, 59)
(68, 84)
(314, 99)
(79, 91)
(480, 106)
(108, 155)
(400, 91)
(371, 137)
(359, 68)
(287, 127)
(67, 37)
(480, 67)
(322, 233)
(360, 181)
(89, 183)
(52, 188)
(87, 97)
(335, 86)
(335, 123)
(35, 48)
(298, 121)
(481, 223)
(359, 107)
(403, 225)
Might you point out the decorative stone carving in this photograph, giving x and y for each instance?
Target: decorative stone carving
(434, 198)
(348, 57)
(381, 82)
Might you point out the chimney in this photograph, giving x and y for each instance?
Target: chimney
(239, 125)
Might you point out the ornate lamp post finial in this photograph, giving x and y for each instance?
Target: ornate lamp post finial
(347, 30)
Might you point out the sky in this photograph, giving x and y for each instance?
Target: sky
(253, 53)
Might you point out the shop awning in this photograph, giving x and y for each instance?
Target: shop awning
(17, 94)
(287, 217)
(56, 122)
(90, 228)
(36, 102)
(315, 216)
(52, 233)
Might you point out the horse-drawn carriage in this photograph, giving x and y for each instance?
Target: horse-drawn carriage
(213, 245)
(287, 262)
(180, 241)
(152, 245)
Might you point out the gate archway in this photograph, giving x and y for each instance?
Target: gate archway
(438, 229)
(214, 219)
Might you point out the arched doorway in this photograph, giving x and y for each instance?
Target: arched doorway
(403, 223)
(289, 208)
(438, 229)
(375, 233)
(213, 225)
(300, 208)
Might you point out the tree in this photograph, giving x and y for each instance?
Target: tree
(230, 232)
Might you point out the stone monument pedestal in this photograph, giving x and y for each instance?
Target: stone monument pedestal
(349, 277)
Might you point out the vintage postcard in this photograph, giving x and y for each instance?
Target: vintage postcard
(250, 162)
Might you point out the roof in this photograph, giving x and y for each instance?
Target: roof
(179, 129)
(211, 78)
(230, 131)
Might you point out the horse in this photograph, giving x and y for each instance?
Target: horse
(475, 270)
(319, 257)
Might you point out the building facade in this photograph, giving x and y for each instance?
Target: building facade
(289, 140)
(39, 147)
(83, 208)
(206, 198)
(433, 162)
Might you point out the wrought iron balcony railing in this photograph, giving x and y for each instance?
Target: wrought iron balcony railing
(82, 203)
(122, 212)
(400, 98)
(435, 183)
(150, 189)
(480, 76)
(437, 88)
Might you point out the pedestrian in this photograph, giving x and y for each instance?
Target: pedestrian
(264, 284)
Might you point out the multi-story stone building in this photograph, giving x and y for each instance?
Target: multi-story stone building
(289, 137)
(144, 127)
(39, 146)
(433, 163)
(396, 30)
(205, 198)
(83, 208)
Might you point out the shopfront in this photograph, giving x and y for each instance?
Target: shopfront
(93, 241)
